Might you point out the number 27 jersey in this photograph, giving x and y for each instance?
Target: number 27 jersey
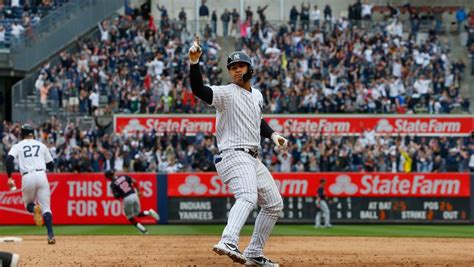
(31, 154)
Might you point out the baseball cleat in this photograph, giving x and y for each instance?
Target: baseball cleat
(38, 216)
(154, 214)
(231, 251)
(51, 240)
(261, 261)
(141, 228)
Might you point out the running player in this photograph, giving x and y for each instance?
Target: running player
(124, 187)
(33, 159)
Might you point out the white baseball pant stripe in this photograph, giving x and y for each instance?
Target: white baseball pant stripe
(325, 212)
(35, 186)
(252, 184)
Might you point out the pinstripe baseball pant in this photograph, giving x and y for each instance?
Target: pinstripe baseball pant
(252, 184)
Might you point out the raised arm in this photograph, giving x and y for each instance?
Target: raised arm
(197, 86)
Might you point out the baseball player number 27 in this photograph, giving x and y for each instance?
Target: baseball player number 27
(27, 151)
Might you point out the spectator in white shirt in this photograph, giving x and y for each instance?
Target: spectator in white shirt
(17, 29)
(94, 98)
(157, 67)
(285, 161)
(15, 3)
(315, 15)
(2, 35)
(104, 31)
(422, 85)
(423, 88)
(368, 54)
(397, 68)
(367, 14)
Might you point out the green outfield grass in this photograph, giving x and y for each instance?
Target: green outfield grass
(463, 231)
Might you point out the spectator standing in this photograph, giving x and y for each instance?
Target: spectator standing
(304, 16)
(315, 15)
(225, 18)
(183, 18)
(461, 16)
(17, 29)
(367, 14)
(234, 27)
(327, 13)
(203, 16)
(261, 14)
(293, 18)
(214, 23)
(249, 15)
(94, 102)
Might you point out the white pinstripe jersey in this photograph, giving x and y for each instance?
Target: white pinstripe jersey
(239, 113)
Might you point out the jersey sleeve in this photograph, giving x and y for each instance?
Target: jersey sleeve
(115, 191)
(220, 97)
(47, 155)
(14, 151)
(129, 180)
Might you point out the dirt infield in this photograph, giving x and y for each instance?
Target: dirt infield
(196, 250)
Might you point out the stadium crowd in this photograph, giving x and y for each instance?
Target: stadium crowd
(96, 150)
(336, 66)
(18, 17)
(137, 66)
(323, 66)
(313, 64)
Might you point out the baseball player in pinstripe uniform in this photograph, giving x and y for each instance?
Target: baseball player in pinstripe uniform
(33, 159)
(239, 125)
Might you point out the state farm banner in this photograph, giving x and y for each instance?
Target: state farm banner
(424, 125)
(77, 199)
(338, 184)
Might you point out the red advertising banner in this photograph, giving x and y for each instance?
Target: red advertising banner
(338, 184)
(426, 125)
(77, 199)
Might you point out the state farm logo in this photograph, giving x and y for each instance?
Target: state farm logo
(384, 125)
(343, 185)
(192, 185)
(13, 201)
(134, 125)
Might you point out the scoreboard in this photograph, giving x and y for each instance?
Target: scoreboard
(343, 210)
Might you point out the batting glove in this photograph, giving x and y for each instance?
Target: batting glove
(195, 51)
(279, 140)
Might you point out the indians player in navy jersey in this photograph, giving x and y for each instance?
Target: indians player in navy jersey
(124, 187)
(240, 125)
(322, 207)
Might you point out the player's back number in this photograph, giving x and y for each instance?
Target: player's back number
(31, 151)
